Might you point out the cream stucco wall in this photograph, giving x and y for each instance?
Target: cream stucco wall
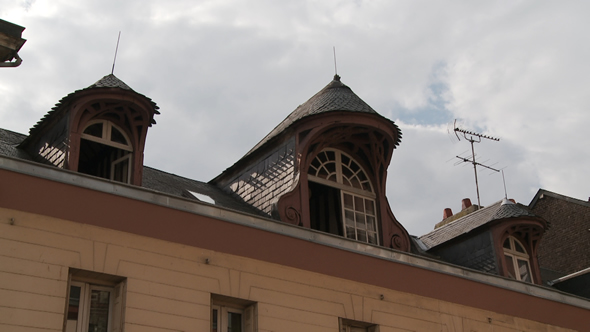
(169, 286)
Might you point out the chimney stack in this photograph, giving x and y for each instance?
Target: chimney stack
(447, 213)
(465, 203)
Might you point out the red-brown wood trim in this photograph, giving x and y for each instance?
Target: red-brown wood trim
(503, 229)
(53, 199)
(78, 120)
(323, 132)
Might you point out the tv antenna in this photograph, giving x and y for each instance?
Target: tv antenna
(473, 137)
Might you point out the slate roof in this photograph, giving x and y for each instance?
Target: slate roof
(336, 96)
(177, 185)
(152, 178)
(500, 210)
(108, 82)
(9, 141)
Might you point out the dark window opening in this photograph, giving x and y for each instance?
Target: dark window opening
(324, 207)
(104, 161)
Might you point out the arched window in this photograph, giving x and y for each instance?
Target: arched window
(105, 151)
(342, 200)
(517, 260)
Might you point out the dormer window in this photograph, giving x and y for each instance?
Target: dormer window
(517, 260)
(342, 200)
(105, 151)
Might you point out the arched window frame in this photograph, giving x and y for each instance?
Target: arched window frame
(107, 129)
(358, 202)
(516, 260)
(106, 139)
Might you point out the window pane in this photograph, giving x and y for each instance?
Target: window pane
(372, 237)
(346, 172)
(234, 322)
(94, 130)
(99, 311)
(331, 167)
(354, 182)
(349, 218)
(362, 235)
(518, 247)
(214, 320)
(331, 155)
(359, 204)
(346, 182)
(507, 243)
(523, 270)
(350, 233)
(73, 309)
(360, 220)
(371, 223)
(322, 173)
(348, 201)
(117, 136)
(345, 160)
(370, 205)
(510, 266)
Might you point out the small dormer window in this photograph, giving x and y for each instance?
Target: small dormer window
(517, 260)
(105, 151)
(342, 200)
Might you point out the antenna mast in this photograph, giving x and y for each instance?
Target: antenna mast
(473, 137)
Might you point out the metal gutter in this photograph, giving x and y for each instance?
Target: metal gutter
(269, 225)
(569, 276)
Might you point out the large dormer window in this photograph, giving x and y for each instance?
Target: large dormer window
(105, 151)
(342, 200)
(517, 260)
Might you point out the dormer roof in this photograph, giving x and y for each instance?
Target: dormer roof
(500, 210)
(109, 81)
(336, 96)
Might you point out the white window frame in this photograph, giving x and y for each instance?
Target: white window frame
(223, 315)
(347, 190)
(106, 134)
(105, 139)
(516, 256)
(225, 305)
(114, 163)
(84, 305)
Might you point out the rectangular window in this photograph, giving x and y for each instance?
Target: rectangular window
(95, 302)
(232, 315)
(360, 221)
(348, 325)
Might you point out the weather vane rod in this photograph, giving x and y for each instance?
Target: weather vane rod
(116, 49)
(335, 68)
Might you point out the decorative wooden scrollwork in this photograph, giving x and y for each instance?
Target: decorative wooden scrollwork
(293, 216)
(398, 242)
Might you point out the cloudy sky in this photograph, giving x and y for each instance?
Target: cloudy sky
(224, 73)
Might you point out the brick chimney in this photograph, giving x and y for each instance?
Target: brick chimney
(447, 213)
(465, 203)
